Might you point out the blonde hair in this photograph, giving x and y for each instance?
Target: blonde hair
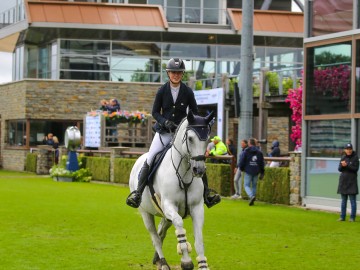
(55, 139)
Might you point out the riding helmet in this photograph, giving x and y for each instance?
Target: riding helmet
(175, 64)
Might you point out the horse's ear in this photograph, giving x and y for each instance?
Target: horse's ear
(190, 117)
(209, 117)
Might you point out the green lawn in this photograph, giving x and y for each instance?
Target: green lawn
(54, 225)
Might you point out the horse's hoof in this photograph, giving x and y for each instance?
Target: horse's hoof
(187, 265)
(162, 264)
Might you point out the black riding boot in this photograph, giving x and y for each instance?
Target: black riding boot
(134, 199)
(209, 200)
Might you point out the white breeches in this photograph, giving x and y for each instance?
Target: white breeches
(158, 144)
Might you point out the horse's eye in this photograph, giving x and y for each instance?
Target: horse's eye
(191, 140)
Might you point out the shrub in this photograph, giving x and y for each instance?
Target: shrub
(31, 162)
(219, 178)
(99, 167)
(275, 187)
(122, 169)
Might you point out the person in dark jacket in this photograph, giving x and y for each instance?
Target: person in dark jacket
(170, 106)
(237, 172)
(275, 152)
(348, 187)
(112, 107)
(253, 164)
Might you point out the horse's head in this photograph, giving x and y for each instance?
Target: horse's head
(195, 140)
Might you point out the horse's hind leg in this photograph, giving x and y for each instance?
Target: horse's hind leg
(149, 222)
(163, 226)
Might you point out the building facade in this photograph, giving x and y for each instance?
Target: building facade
(331, 103)
(71, 47)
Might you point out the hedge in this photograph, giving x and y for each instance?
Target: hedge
(122, 170)
(274, 188)
(99, 167)
(31, 162)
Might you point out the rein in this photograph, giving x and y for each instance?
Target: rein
(182, 185)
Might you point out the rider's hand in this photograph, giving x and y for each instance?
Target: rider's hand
(170, 125)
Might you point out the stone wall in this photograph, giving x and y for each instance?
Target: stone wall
(14, 159)
(278, 129)
(63, 100)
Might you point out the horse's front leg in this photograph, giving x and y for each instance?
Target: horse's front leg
(197, 215)
(183, 247)
(149, 222)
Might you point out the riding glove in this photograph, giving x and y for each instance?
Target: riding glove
(170, 125)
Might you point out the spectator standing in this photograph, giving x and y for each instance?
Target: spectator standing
(237, 172)
(209, 147)
(348, 187)
(48, 140)
(103, 105)
(275, 152)
(252, 163)
(112, 107)
(231, 147)
(55, 146)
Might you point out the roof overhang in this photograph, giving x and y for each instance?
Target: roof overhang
(95, 16)
(271, 23)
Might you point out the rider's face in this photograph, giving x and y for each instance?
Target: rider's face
(175, 76)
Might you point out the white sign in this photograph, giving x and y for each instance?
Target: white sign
(93, 129)
(213, 96)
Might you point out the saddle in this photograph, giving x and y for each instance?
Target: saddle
(152, 170)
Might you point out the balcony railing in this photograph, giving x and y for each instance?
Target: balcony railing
(12, 15)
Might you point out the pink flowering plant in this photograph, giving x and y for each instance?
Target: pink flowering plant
(333, 81)
(295, 99)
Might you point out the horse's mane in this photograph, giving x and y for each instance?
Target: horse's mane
(177, 130)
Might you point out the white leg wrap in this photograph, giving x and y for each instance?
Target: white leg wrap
(182, 241)
(202, 263)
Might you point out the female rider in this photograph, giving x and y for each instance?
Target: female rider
(169, 108)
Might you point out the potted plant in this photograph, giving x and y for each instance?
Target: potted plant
(59, 173)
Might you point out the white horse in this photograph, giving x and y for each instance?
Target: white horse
(179, 191)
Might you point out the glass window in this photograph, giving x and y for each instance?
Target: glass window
(328, 79)
(84, 75)
(174, 11)
(326, 138)
(322, 177)
(136, 48)
(54, 62)
(32, 53)
(88, 47)
(211, 11)
(17, 132)
(357, 77)
(84, 62)
(228, 52)
(330, 16)
(192, 11)
(188, 50)
(135, 69)
(44, 63)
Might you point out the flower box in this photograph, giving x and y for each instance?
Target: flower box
(63, 179)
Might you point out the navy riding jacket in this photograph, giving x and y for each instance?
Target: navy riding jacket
(164, 107)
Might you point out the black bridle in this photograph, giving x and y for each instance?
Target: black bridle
(202, 132)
